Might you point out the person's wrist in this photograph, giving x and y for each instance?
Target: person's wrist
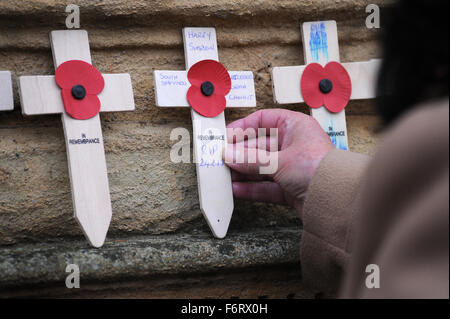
(318, 154)
(324, 151)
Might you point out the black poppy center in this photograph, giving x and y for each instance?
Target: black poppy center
(325, 86)
(78, 92)
(207, 88)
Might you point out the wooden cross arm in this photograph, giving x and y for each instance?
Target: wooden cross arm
(171, 88)
(286, 81)
(6, 92)
(41, 94)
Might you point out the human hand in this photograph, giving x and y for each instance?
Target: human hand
(299, 147)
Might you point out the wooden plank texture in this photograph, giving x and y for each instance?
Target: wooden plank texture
(6, 91)
(287, 78)
(214, 183)
(41, 94)
(87, 163)
(84, 139)
(213, 176)
(320, 45)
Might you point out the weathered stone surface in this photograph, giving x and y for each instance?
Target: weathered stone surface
(280, 282)
(150, 195)
(143, 257)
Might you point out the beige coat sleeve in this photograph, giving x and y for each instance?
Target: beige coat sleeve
(391, 211)
(327, 218)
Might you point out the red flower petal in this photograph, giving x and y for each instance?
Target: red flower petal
(214, 72)
(208, 106)
(338, 98)
(309, 85)
(77, 72)
(80, 109)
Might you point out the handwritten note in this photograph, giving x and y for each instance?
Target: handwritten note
(172, 87)
(201, 43)
(211, 143)
(318, 42)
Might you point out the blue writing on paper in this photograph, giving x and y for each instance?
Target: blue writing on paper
(232, 97)
(318, 42)
(199, 34)
(238, 87)
(337, 137)
(236, 77)
(200, 47)
(171, 80)
(210, 146)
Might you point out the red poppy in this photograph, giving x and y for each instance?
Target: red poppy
(210, 83)
(80, 84)
(328, 86)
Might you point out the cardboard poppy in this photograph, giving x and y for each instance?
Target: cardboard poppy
(80, 84)
(210, 83)
(328, 86)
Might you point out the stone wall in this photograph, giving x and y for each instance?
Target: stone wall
(156, 214)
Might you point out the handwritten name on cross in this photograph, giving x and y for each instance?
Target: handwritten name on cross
(320, 45)
(213, 176)
(84, 140)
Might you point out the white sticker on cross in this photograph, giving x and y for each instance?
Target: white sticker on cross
(6, 91)
(209, 133)
(320, 45)
(84, 140)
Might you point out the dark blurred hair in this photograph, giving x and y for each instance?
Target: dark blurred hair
(415, 66)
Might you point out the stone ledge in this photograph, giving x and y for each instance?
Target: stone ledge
(138, 257)
(274, 282)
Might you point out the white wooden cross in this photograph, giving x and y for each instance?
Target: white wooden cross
(214, 183)
(320, 45)
(84, 140)
(6, 91)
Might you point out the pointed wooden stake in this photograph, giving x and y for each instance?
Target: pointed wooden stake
(320, 44)
(214, 182)
(86, 159)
